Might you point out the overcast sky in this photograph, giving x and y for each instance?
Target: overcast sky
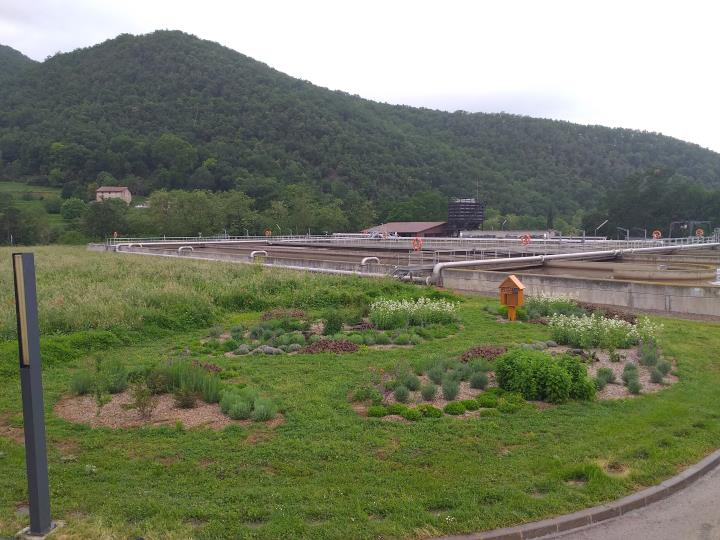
(650, 65)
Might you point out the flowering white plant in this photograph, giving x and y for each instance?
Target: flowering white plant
(597, 331)
(388, 314)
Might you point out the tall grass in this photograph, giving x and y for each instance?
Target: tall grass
(81, 290)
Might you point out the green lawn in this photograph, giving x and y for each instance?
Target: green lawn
(18, 189)
(325, 472)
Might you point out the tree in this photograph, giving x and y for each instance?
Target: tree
(104, 218)
(73, 208)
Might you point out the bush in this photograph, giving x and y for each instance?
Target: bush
(538, 376)
(240, 410)
(480, 364)
(333, 322)
(510, 403)
(381, 338)
(82, 383)
(116, 377)
(606, 374)
(649, 354)
(377, 411)
(391, 314)
(158, 380)
(656, 376)
(450, 389)
(412, 414)
(402, 339)
(396, 408)
(402, 394)
(436, 374)
(487, 400)
(630, 372)
(415, 339)
(357, 339)
(470, 404)
(428, 411)
(263, 410)
(428, 392)
(479, 380)
(367, 393)
(185, 398)
(411, 381)
(634, 386)
(489, 412)
(664, 367)
(455, 408)
(369, 339)
(143, 399)
(597, 331)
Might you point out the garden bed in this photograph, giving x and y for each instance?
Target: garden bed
(119, 414)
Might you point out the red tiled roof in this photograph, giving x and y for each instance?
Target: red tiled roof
(111, 188)
(406, 226)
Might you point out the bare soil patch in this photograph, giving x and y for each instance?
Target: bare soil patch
(117, 414)
(7, 431)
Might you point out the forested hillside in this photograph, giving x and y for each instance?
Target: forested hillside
(168, 110)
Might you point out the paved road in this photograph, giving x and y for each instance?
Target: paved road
(691, 514)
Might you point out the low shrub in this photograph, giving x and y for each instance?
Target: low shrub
(614, 356)
(369, 339)
(392, 314)
(367, 393)
(82, 383)
(454, 408)
(115, 376)
(402, 339)
(396, 408)
(630, 372)
(428, 411)
(470, 404)
(436, 374)
(381, 338)
(545, 306)
(357, 339)
(377, 411)
(411, 381)
(479, 380)
(264, 409)
(539, 376)
(634, 386)
(402, 394)
(656, 376)
(428, 391)
(597, 331)
(450, 389)
(333, 322)
(510, 403)
(487, 400)
(240, 410)
(664, 367)
(185, 397)
(143, 400)
(158, 380)
(649, 353)
(415, 339)
(606, 374)
(489, 412)
(480, 365)
(412, 414)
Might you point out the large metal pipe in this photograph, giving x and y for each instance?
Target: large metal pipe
(436, 277)
(257, 252)
(367, 260)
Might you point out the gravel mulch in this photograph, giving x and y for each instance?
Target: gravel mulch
(116, 414)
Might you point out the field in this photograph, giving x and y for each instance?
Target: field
(325, 471)
(31, 197)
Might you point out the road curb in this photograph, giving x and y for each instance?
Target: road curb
(600, 513)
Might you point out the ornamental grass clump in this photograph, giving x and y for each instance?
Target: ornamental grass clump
(594, 330)
(545, 306)
(392, 314)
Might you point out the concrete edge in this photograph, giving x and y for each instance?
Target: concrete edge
(603, 512)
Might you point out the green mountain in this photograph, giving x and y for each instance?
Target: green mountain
(170, 110)
(12, 63)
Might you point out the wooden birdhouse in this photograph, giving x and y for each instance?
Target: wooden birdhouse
(511, 295)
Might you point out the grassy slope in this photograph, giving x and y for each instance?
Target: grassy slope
(17, 189)
(327, 473)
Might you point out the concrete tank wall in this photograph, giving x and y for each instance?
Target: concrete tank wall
(644, 296)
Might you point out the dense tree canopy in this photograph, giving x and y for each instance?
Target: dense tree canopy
(168, 111)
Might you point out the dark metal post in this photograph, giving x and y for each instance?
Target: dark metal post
(32, 393)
